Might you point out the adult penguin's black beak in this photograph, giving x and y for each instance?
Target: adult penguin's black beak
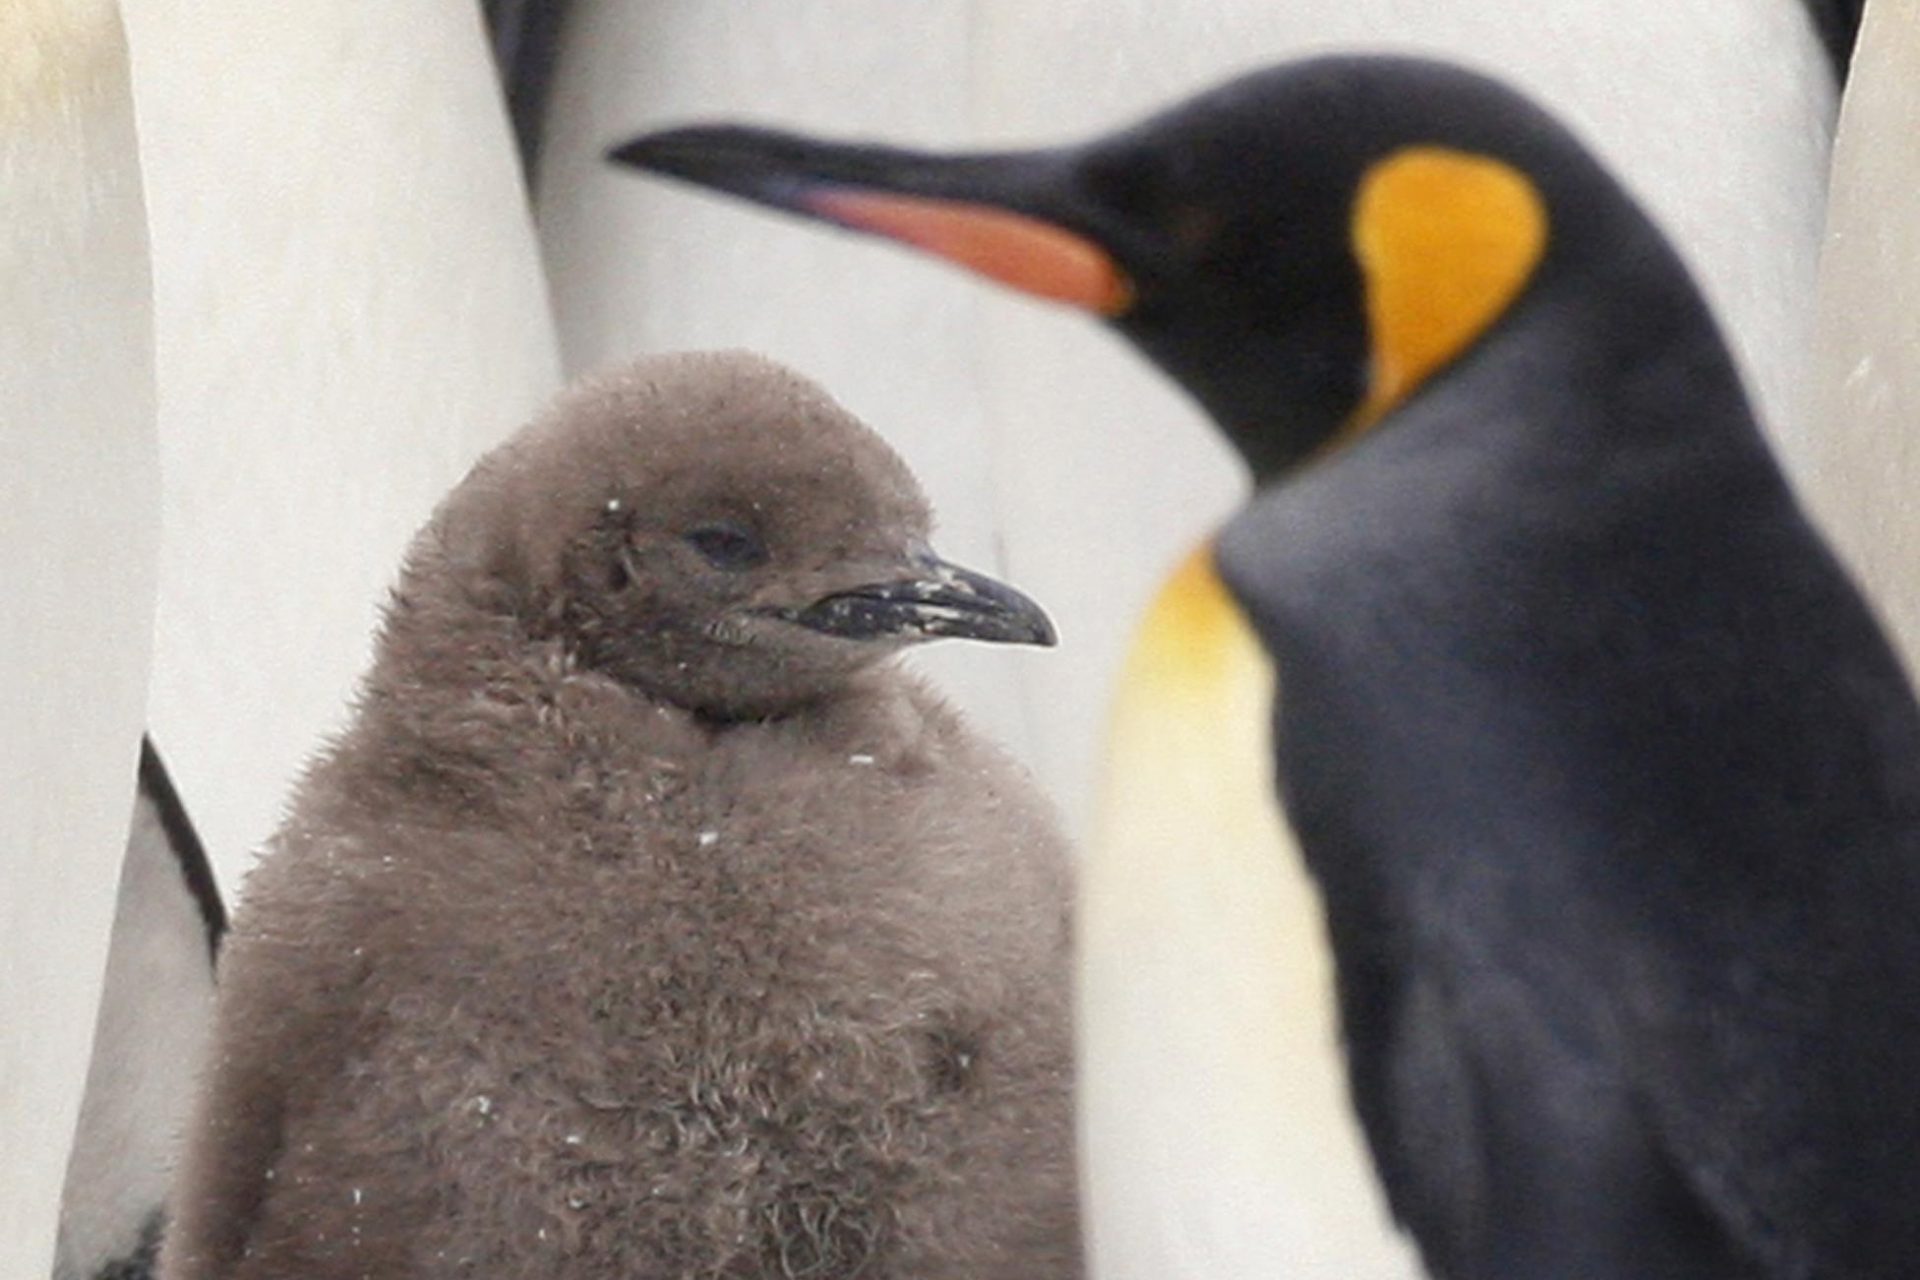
(1007, 216)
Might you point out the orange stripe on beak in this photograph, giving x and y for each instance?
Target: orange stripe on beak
(1025, 253)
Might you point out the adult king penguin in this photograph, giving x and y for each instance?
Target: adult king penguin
(646, 921)
(1608, 777)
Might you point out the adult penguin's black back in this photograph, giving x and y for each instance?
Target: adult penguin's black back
(1610, 780)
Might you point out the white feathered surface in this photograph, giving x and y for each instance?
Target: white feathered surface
(1863, 400)
(349, 309)
(148, 1042)
(78, 531)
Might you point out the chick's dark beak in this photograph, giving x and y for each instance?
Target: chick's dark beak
(937, 601)
(1003, 216)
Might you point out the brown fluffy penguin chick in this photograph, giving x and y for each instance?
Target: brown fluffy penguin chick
(646, 922)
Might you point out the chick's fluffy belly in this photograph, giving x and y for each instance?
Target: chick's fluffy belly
(741, 1009)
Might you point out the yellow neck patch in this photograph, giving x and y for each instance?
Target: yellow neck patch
(1446, 240)
(1216, 1131)
(1189, 771)
(1192, 637)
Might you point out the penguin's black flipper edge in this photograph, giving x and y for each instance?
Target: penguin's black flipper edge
(1837, 23)
(196, 869)
(156, 1008)
(526, 48)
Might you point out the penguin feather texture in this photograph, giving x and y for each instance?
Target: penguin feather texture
(624, 934)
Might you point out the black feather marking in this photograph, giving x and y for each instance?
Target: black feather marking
(1837, 23)
(197, 873)
(526, 45)
(141, 1263)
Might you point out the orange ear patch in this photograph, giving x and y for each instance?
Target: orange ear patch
(1025, 253)
(1446, 240)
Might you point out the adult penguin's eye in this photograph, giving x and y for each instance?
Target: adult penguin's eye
(1134, 182)
(727, 545)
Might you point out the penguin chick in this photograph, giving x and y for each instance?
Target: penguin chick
(645, 921)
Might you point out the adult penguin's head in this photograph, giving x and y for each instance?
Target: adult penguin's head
(1300, 248)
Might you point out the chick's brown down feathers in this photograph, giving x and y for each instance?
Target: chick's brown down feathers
(636, 928)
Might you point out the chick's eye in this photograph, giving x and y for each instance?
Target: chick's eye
(727, 545)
